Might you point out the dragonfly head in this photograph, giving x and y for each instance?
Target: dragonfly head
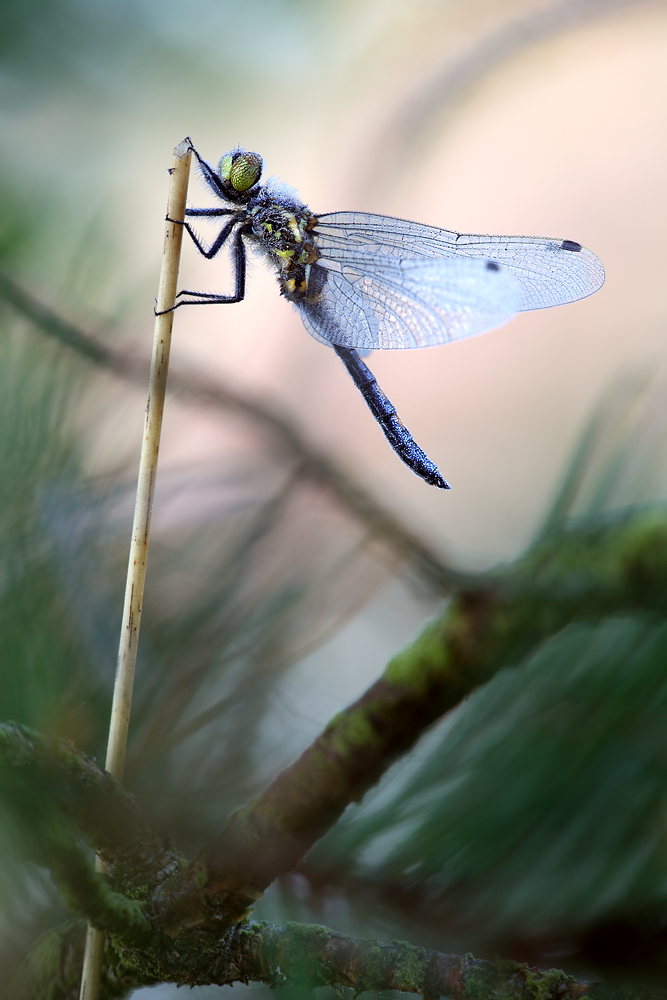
(239, 171)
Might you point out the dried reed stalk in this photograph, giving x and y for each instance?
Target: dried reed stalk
(136, 571)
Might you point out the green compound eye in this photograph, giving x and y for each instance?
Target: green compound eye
(246, 171)
(225, 166)
(240, 170)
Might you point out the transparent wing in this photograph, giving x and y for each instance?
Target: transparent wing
(383, 302)
(550, 272)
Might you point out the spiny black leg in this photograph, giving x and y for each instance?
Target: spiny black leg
(211, 298)
(220, 239)
(210, 212)
(384, 411)
(210, 175)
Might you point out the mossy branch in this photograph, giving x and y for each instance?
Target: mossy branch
(577, 573)
(310, 955)
(50, 841)
(306, 956)
(36, 768)
(87, 893)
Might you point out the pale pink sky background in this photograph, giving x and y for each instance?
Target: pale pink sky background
(567, 139)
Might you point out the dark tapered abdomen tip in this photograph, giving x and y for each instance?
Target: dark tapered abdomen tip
(570, 245)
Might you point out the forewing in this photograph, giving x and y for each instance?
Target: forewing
(550, 272)
(384, 302)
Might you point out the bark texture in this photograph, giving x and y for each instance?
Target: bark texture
(303, 955)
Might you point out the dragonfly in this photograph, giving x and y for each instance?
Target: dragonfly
(363, 282)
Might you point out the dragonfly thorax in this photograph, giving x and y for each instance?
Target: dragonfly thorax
(283, 232)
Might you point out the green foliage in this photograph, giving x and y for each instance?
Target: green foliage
(539, 808)
(535, 812)
(42, 665)
(40, 654)
(235, 597)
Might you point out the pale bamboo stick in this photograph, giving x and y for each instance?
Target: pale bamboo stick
(136, 571)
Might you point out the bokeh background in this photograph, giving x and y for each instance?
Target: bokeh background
(271, 603)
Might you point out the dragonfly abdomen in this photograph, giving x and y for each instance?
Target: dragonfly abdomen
(384, 411)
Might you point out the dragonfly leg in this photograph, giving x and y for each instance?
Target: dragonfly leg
(384, 411)
(210, 212)
(218, 242)
(213, 298)
(209, 174)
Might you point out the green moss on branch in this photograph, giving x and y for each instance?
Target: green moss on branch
(576, 573)
(35, 769)
(308, 956)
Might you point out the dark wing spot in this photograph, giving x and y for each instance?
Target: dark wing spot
(492, 266)
(570, 245)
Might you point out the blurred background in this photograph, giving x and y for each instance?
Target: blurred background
(272, 599)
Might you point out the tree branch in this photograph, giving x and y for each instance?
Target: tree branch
(38, 769)
(307, 956)
(85, 892)
(575, 573)
(310, 955)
